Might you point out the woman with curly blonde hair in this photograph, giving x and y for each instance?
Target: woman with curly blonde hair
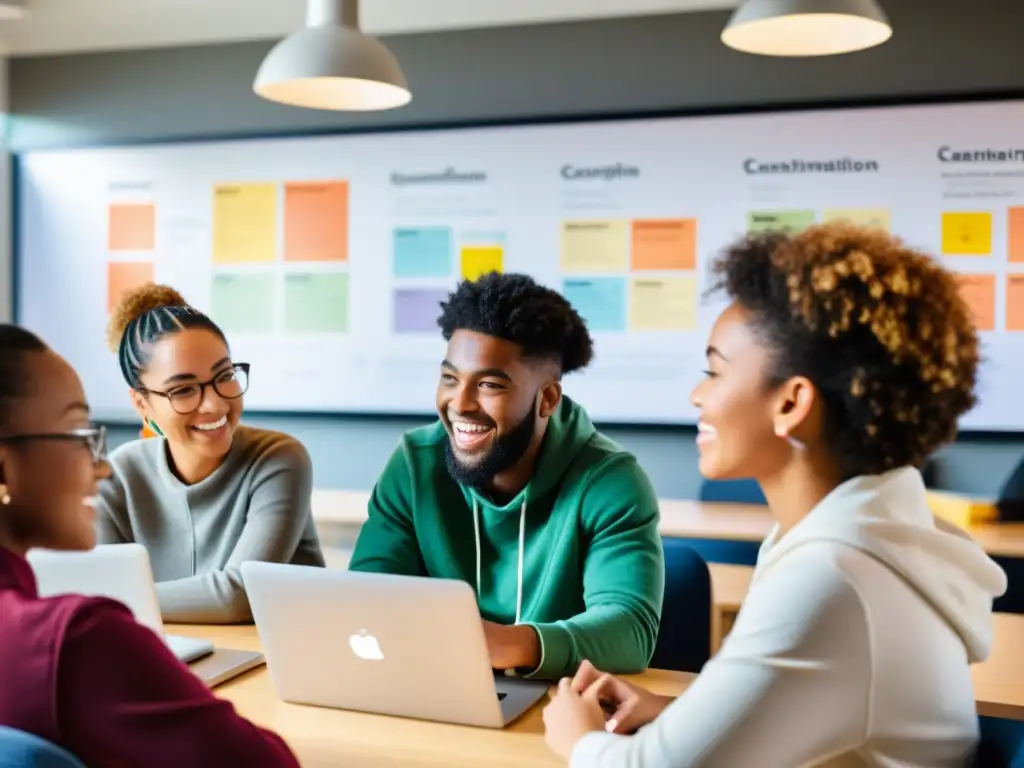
(208, 493)
(843, 361)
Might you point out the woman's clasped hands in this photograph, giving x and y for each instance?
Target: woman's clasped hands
(596, 701)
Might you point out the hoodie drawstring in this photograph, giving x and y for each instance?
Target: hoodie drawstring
(522, 550)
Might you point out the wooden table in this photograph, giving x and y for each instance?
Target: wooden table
(331, 737)
(679, 519)
(327, 737)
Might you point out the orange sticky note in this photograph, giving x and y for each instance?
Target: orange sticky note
(123, 276)
(316, 221)
(131, 227)
(979, 291)
(1015, 234)
(659, 244)
(1015, 302)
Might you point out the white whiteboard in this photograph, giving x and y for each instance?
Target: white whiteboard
(324, 258)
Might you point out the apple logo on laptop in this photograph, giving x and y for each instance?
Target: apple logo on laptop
(365, 646)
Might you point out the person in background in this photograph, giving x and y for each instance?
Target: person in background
(79, 671)
(514, 491)
(844, 360)
(208, 493)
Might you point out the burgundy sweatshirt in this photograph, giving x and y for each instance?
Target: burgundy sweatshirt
(82, 674)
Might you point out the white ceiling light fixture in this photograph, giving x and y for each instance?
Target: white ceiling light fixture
(331, 64)
(806, 27)
(13, 9)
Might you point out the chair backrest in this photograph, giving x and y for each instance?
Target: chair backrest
(736, 491)
(19, 749)
(1002, 743)
(684, 639)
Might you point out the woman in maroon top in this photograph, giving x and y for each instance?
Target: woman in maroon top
(79, 671)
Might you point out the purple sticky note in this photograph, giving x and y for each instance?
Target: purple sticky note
(415, 310)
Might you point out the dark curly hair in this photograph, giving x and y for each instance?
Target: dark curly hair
(518, 309)
(880, 329)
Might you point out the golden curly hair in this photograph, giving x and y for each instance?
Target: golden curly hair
(879, 328)
(135, 303)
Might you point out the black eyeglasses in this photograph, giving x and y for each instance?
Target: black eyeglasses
(229, 384)
(94, 438)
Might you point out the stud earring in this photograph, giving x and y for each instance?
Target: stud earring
(5, 497)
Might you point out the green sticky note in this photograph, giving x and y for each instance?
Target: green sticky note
(316, 303)
(790, 222)
(241, 303)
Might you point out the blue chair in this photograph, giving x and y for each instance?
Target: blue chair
(19, 749)
(684, 639)
(735, 491)
(1002, 743)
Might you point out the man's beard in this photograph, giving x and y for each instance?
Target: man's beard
(504, 452)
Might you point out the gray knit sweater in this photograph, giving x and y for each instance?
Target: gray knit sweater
(255, 506)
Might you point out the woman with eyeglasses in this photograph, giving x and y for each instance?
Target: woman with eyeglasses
(207, 493)
(79, 671)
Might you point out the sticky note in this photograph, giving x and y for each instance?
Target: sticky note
(967, 234)
(244, 223)
(595, 247)
(1015, 302)
(243, 303)
(123, 276)
(415, 310)
(480, 259)
(316, 221)
(979, 291)
(1015, 234)
(131, 227)
(663, 303)
(790, 222)
(878, 218)
(422, 252)
(664, 244)
(316, 303)
(600, 301)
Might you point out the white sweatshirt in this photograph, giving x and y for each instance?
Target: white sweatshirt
(851, 649)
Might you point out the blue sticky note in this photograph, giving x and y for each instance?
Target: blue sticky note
(601, 301)
(422, 252)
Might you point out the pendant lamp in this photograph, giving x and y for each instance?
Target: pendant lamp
(806, 27)
(331, 64)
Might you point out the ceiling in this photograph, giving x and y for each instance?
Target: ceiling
(71, 26)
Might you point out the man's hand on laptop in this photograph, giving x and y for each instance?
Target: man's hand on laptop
(516, 647)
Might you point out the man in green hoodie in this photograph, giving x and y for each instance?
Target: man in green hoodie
(514, 491)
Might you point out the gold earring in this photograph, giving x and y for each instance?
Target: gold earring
(5, 497)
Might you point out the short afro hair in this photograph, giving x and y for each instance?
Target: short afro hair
(880, 329)
(516, 308)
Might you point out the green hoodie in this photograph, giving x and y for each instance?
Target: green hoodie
(586, 569)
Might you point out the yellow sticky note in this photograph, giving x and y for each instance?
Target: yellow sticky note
(595, 247)
(478, 260)
(877, 218)
(967, 234)
(663, 304)
(244, 223)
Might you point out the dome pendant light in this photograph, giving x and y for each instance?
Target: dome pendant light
(331, 64)
(806, 27)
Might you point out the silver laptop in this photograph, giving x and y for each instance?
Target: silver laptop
(392, 645)
(120, 572)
